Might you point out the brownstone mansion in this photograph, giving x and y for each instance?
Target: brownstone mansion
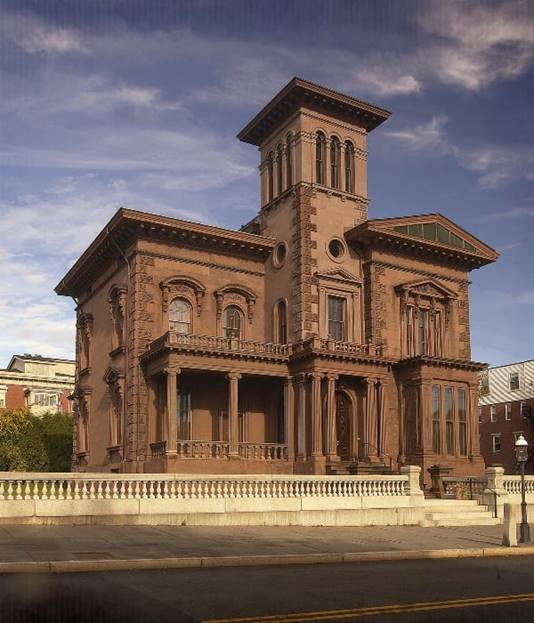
(314, 340)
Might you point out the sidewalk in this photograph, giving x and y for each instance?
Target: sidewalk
(90, 548)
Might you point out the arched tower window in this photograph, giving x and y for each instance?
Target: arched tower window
(335, 153)
(232, 322)
(279, 169)
(270, 181)
(320, 154)
(289, 163)
(180, 316)
(282, 322)
(349, 167)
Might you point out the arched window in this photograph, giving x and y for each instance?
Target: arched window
(279, 170)
(180, 316)
(349, 167)
(232, 322)
(335, 153)
(289, 163)
(270, 181)
(282, 322)
(320, 153)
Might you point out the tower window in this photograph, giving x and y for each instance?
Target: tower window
(335, 150)
(349, 167)
(279, 170)
(320, 152)
(270, 181)
(282, 322)
(289, 163)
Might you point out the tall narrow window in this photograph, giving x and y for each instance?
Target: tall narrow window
(232, 322)
(320, 153)
(270, 181)
(180, 316)
(436, 424)
(183, 416)
(282, 322)
(422, 323)
(279, 169)
(349, 167)
(289, 163)
(449, 420)
(462, 422)
(410, 331)
(336, 318)
(335, 153)
(438, 345)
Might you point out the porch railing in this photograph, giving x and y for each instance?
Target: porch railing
(192, 449)
(512, 484)
(95, 486)
(210, 342)
(262, 451)
(465, 487)
(351, 348)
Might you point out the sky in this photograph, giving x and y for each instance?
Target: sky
(137, 103)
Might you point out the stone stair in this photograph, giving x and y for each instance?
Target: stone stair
(439, 512)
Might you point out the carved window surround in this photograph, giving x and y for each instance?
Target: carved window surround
(435, 301)
(235, 295)
(182, 286)
(84, 342)
(115, 381)
(117, 299)
(341, 283)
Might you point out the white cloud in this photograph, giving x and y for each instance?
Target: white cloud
(34, 35)
(496, 165)
(479, 43)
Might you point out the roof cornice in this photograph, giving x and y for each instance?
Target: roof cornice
(127, 226)
(299, 93)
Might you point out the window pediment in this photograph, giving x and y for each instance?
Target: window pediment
(428, 288)
(234, 293)
(182, 286)
(338, 276)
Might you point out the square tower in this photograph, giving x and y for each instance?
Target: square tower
(313, 189)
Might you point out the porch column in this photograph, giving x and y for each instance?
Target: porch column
(331, 448)
(170, 432)
(233, 424)
(316, 414)
(473, 429)
(301, 417)
(370, 419)
(401, 459)
(382, 387)
(289, 417)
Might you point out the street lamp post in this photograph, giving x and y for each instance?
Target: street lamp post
(521, 453)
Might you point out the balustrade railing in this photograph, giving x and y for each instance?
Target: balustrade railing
(465, 487)
(92, 486)
(263, 451)
(512, 484)
(211, 342)
(193, 449)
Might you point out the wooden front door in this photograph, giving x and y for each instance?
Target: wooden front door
(343, 416)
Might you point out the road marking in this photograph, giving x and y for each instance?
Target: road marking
(302, 617)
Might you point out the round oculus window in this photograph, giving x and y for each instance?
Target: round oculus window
(336, 248)
(280, 254)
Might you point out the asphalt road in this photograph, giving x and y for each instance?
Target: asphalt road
(412, 591)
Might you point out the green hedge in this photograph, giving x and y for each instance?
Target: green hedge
(31, 443)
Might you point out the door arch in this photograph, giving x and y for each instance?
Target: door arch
(344, 424)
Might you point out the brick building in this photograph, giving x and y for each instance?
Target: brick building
(41, 384)
(313, 340)
(506, 406)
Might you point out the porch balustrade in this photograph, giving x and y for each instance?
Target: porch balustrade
(217, 343)
(92, 486)
(351, 348)
(512, 484)
(199, 449)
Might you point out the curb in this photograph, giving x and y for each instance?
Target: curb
(146, 564)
